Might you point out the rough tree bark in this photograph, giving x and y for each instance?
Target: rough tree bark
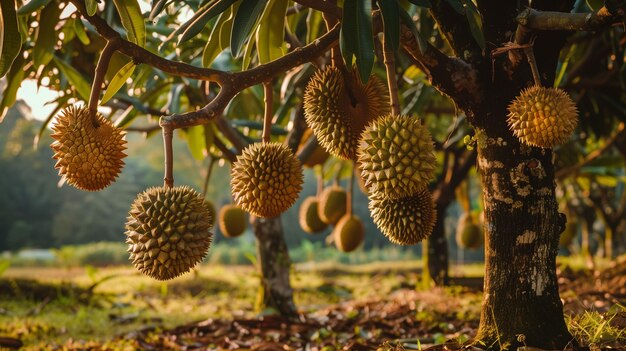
(275, 265)
(522, 228)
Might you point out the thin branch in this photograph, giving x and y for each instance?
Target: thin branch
(268, 114)
(450, 75)
(168, 134)
(141, 55)
(101, 69)
(230, 133)
(392, 82)
(530, 57)
(552, 20)
(226, 152)
(241, 80)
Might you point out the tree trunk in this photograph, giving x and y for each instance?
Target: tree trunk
(275, 265)
(438, 248)
(522, 228)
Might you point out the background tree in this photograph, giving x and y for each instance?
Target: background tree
(522, 222)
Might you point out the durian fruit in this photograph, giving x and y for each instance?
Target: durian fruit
(89, 155)
(232, 221)
(349, 233)
(404, 221)
(469, 234)
(332, 204)
(569, 234)
(318, 156)
(167, 231)
(396, 156)
(266, 179)
(543, 117)
(309, 217)
(338, 107)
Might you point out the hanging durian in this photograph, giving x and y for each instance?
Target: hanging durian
(349, 233)
(168, 231)
(405, 221)
(338, 106)
(469, 233)
(89, 151)
(396, 156)
(309, 216)
(332, 204)
(266, 179)
(543, 117)
(232, 221)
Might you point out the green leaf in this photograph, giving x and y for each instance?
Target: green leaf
(271, 31)
(43, 51)
(92, 7)
(157, 7)
(14, 80)
(132, 20)
(32, 6)
(247, 54)
(356, 34)
(118, 81)
(595, 5)
(10, 39)
(4, 265)
(81, 33)
(196, 141)
(421, 3)
(213, 47)
(201, 18)
(475, 23)
(314, 22)
(60, 103)
(78, 82)
(390, 11)
(246, 17)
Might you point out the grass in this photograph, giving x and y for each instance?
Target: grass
(592, 328)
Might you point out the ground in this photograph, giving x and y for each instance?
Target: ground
(366, 307)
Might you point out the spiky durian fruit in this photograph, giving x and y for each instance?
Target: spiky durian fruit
(168, 231)
(232, 221)
(349, 233)
(405, 221)
(318, 156)
(569, 234)
(309, 217)
(332, 204)
(89, 152)
(543, 117)
(338, 107)
(469, 234)
(396, 156)
(266, 179)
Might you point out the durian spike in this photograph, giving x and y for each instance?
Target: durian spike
(168, 135)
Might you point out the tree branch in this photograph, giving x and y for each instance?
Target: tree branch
(452, 76)
(551, 20)
(238, 81)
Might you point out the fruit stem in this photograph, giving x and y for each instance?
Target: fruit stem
(390, 67)
(350, 192)
(101, 69)
(168, 134)
(530, 56)
(205, 187)
(267, 117)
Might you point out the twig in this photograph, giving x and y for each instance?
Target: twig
(205, 187)
(168, 134)
(530, 56)
(390, 67)
(551, 20)
(267, 116)
(96, 87)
